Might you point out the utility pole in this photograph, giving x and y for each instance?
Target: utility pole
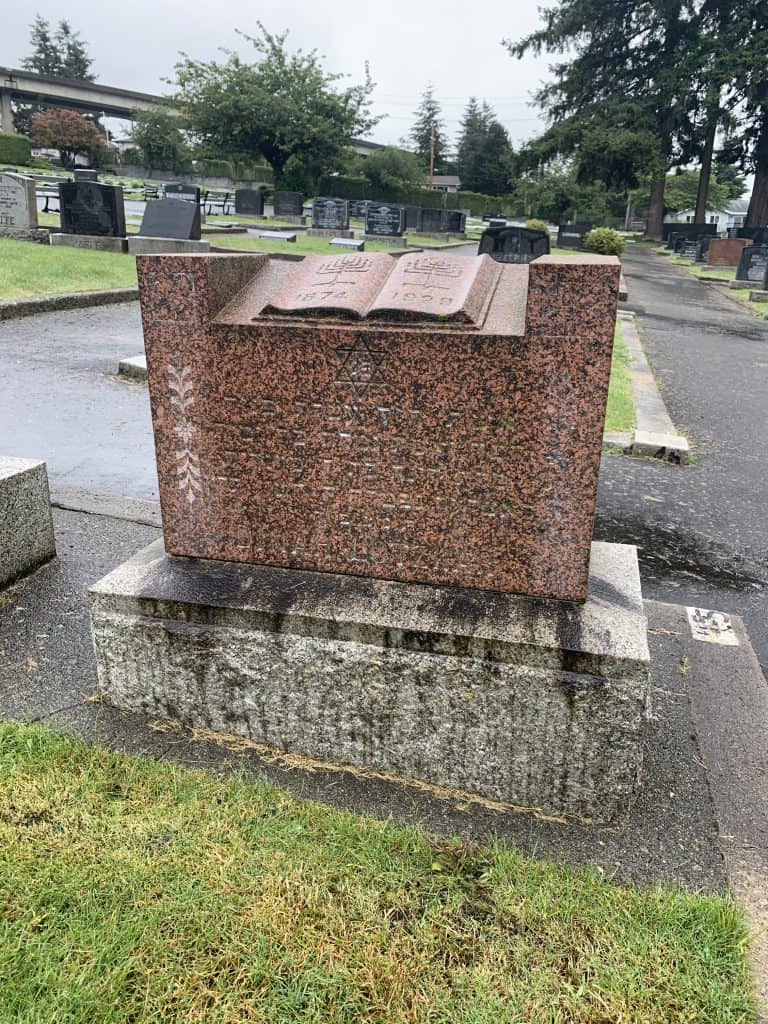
(431, 155)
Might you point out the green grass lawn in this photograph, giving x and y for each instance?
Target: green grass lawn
(134, 891)
(28, 269)
(620, 413)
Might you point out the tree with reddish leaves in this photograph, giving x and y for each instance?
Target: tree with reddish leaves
(69, 132)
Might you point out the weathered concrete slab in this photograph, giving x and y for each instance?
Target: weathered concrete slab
(535, 703)
(26, 526)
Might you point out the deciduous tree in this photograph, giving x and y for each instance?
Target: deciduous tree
(284, 107)
(158, 134)
(68, 132)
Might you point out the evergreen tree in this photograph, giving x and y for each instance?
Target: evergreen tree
(429, 121)
(61, 52)
(58, 53)
(484, 157)
(629, 68)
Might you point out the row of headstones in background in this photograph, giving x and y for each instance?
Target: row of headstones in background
(431, 220)
(513, 244)
(571, 236)
(757, 235)
(691, 231)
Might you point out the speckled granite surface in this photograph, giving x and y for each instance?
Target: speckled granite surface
(441, 424)
(725, 252)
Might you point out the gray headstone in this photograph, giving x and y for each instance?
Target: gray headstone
(288, 204)
(330, 213)
(88, 208)
(169, 218)
(18, 205)
(85, 174)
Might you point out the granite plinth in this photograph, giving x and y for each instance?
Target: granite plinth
(725, 252)
(145, 244)
(290, 218)
(534, 703)
(330, 233)
(395, 241)
(26, 526)
(428, 418)
(104, 243)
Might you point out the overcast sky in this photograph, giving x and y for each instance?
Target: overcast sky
(408, 43)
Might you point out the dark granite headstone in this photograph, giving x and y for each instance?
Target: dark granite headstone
(702, 248)
(288, 204)
(189, 193)
(357, 208)
(571, 236)
(85, 174)
(431, 220)
(168, 218)
(513, 244)
(455, 221)
(88, 208)
(384, 219)
(758, 235)
(753, 264)
(690, 247)
(249, 201)
(330, 213)
(413, 218)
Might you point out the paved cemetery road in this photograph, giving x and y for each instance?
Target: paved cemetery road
(61, 401)
(702, 529)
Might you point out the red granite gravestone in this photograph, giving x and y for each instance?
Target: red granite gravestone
(430, 419)
(725, 252)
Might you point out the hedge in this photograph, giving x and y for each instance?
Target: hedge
(345, 187)
(15, 149)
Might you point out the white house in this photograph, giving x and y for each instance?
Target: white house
(733, 216)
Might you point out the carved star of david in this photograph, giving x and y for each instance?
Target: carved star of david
(360, 367)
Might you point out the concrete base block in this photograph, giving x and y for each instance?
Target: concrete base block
(396, 241)
(133, 366)
(533, 703)
(26, 526)
(741, 284)
(329, 233)
(104, 243)
(443, 236)
(143, 243)
(758, 296)
(27, 235)
(670, 447)
(288, 218)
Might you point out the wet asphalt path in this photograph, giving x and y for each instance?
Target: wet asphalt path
(702, 529)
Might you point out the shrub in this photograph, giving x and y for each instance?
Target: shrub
(605, 241)
(14, 149)
(132, 156)
(534, 224)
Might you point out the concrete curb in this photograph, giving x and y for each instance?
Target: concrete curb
(69, 300)
(655, 435)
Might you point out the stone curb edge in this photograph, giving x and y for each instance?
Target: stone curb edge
(654, 435)
(68, 300)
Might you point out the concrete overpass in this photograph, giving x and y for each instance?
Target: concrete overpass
(52, 91)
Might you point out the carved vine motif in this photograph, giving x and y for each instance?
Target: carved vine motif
(187, 461)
